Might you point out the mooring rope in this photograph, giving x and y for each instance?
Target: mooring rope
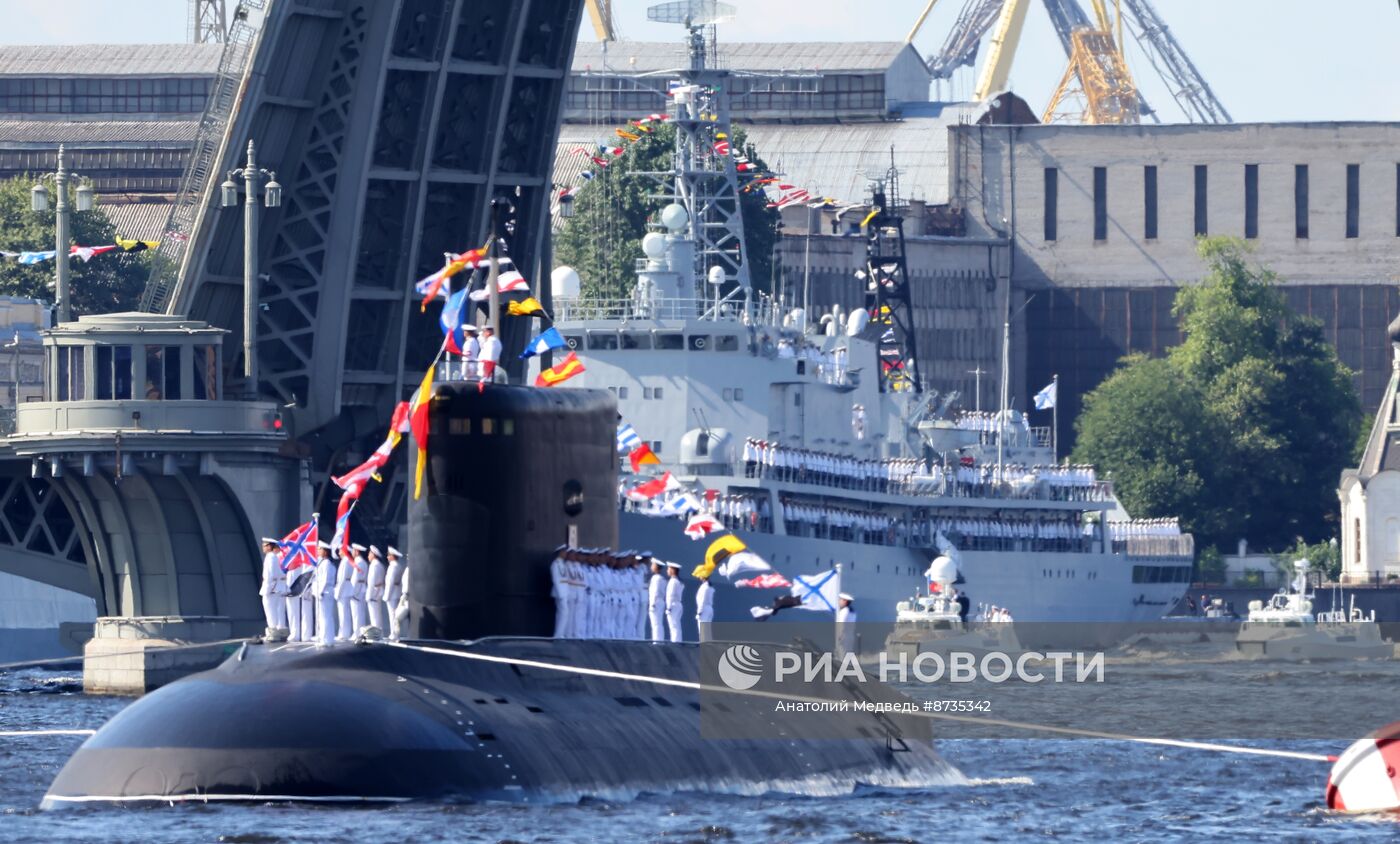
(939, 716)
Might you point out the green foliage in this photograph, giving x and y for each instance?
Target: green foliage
(1241, 430)
(106, 284)
(1210, 565)
(1324, 556)
(603, 240)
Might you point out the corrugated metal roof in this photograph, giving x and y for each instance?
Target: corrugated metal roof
(138, 220)
(101, 132)
(835, 160)
(111, 60)
(627, 57)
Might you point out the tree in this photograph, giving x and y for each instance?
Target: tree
(1261, 415)
(603, 240)
(106, 284)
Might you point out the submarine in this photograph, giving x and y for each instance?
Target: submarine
(477, 702)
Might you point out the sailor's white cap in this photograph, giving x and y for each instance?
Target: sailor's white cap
(673, 565)
(374, 550)
(395, 552)
(324, 545)
(267, 540)
(357, 547)
(846, 596)
(470, 328)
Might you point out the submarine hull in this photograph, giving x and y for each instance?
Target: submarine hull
(380, 722)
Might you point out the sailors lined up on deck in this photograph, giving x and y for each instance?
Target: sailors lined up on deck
(1065, 483)
(599, 594)
(865, 526)
(1010, 534)
(743, 512)
(992, 612)
(1150, 538)
(339, 599)
(763, 459)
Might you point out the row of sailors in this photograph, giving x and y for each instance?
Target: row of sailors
(600, 594)
(992, 612)
(763, 459)
(1143, 528)
(342, 597)
(1009, 534)
(840, 523)
(1064, 483)
(984, 421)
(743, 512)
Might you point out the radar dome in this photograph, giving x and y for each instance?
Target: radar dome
(654, 245)
(857, 322)
(717, 275)
(942, 571)
(675, 218)
(564, 283)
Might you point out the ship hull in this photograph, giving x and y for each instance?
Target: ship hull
(1034, 586)
(381, 722)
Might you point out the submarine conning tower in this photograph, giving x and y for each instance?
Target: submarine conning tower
(512, 473)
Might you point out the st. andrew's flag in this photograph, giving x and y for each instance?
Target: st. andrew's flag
(1045, 399)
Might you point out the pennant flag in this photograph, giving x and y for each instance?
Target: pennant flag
(341, 539)
(137, 245)
(86, 253)
(744, 562)
(507, 282)
(37, 257)
(627, 136)
(435, 284)
(453, 321)
(650, 489)
(548, 340)
(1045, 399)
(627, 438)
(641, 456)
(816, 592)
(529, 306)
(722, 148)
(721, 549)
(560, 372)
(772, 580)
(297, 547)
(868, 217)
(418, 423)
(702, 525)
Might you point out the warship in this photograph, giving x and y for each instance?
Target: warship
(811, 436)
(477, 702)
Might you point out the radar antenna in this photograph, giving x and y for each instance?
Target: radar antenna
(704, 176)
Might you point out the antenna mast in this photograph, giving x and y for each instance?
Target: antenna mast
(207, 22)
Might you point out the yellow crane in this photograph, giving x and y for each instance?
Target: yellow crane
(1005, 38)
(600, 12)
(1098, 74)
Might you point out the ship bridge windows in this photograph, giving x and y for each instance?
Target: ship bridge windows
(602, 341)
(1161, 574)
(636, 340)
(668, 341)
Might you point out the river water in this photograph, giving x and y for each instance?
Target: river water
(1018, 789)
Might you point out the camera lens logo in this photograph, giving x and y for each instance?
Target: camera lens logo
(740, 667)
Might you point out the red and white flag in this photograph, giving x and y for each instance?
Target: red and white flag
(702, 525)
(652, 488)
(770, 580)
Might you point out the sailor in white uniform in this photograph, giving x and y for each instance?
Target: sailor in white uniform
(845, 626)
(378, 613)
(359, 610)
(559, 592)
(400, 617)
(344, 596)
(393, 589)
(310, 605)
(323, 589)
(656, 602)
(274, 586)
(704, 608)
(675, 600)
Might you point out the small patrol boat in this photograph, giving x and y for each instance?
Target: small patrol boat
(937, 621)
(1285, 627)
(480, 704)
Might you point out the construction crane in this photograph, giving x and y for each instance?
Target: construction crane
(1097, 72)
(207, 22)
(600, 13)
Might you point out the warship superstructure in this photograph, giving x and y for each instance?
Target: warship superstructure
(810, 435)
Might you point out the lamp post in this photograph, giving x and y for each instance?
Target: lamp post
(272, 198)
(39, 201)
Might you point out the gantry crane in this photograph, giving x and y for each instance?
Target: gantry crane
(600, 13)
(1097, 69)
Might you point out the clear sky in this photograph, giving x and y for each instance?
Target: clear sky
(1268, 60)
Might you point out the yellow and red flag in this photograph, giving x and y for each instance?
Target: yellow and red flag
(418, 424)
(640, 456)
(560, 372)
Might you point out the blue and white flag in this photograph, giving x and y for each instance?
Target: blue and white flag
(548, 340)
(682, 505)
(1045, 399)
(341, 540)
(627, 438)
(36, 257)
